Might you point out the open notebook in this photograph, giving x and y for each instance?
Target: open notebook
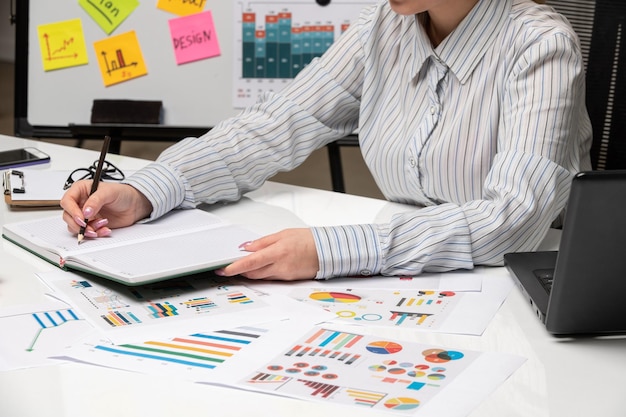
(180, 243)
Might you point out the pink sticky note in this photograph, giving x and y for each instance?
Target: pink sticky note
(194, 37)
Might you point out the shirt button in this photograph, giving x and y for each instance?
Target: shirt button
(433, 109)
(412, 162)
(365, 272)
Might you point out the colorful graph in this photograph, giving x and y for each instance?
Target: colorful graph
(334, 297)
(400, 316)
(274, 47)
(333, 339)
(199, 350)
(50, 319)
(119, 318)
(402, 403)
(238, 298)
(200, 304)
(275, 40)
(384, 347)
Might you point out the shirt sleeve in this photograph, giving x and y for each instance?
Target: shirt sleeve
(542, 121)
(276, 134)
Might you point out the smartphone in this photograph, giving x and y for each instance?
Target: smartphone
(22, 157)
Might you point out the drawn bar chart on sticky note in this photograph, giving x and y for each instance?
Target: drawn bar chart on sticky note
(120, 58)
(181, 7)
(109, 14)
(194, 37)
(62, 44)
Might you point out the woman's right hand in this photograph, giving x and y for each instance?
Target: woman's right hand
(112, 206)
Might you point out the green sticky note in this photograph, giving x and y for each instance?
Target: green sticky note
(109, 14)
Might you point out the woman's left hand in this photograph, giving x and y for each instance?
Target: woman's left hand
(288, 255)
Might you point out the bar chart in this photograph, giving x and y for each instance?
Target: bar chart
(275, 40)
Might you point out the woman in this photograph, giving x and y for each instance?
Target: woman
(471, 110)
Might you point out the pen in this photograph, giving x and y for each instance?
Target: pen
(96, 180)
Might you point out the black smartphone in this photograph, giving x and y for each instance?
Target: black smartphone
(13, 158)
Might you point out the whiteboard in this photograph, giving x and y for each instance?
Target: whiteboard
(197, 94)
(193, 94)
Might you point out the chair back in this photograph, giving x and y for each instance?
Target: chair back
(600, 25)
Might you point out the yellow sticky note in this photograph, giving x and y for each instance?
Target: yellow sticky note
(120, 58)
(62, 44)
(181, 7)
(109, 14)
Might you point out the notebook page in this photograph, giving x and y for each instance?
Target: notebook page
(51, 232)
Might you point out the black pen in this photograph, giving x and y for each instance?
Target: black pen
(96, 181)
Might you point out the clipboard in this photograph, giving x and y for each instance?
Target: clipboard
(33, 188)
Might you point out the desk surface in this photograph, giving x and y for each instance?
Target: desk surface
(561, 377)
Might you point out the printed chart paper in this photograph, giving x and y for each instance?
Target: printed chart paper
(164, 308)
(30, 338)
(423, 310)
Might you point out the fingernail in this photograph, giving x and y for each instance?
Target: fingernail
(80, 221)
(87, 212)
(105, 231)
(100, 223)
(219, 272)
(90, 233)
(244, 245)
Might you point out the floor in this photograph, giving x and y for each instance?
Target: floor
(314, 172)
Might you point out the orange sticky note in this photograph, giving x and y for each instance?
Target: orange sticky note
(62, 44)
(120, 58)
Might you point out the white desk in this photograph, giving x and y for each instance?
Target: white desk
(560, 378)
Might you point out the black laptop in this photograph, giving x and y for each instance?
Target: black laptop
(581, 289)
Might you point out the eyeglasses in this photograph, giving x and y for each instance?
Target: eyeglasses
(109, 172)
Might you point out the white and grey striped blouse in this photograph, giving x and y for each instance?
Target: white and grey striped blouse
(482, 134)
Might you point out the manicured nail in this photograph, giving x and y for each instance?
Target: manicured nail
(80, 221)
(90, 233)
(244, 245)
(87, 212)
(105, 231)
(219, 272)
(100, 223)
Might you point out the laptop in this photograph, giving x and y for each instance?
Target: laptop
(581, 288)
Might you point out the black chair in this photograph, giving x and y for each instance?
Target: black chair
(601, 27)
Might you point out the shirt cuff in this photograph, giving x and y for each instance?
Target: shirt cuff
(160, 186)
(347, 251)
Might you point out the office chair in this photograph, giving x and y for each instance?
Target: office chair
(600, 25)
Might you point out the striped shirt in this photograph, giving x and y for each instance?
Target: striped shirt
(482, 134)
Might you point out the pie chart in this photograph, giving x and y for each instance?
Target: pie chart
(334, 297)
(402, 403)
(384, 348)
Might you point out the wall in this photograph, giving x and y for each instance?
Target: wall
(7, 33)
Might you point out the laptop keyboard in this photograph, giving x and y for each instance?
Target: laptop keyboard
(545, 277)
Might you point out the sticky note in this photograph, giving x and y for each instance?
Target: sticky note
(120, 58)
(194, 37)
(182, 7)
(62, 44)
(110, 13)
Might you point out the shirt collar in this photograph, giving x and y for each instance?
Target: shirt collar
(463, 49)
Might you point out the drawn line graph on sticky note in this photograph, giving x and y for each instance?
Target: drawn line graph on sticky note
(62, 44)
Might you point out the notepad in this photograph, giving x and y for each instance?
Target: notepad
(34, 188)
(183, 242)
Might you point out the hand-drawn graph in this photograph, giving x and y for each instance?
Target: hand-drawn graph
(120, 58)
(62, 44)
